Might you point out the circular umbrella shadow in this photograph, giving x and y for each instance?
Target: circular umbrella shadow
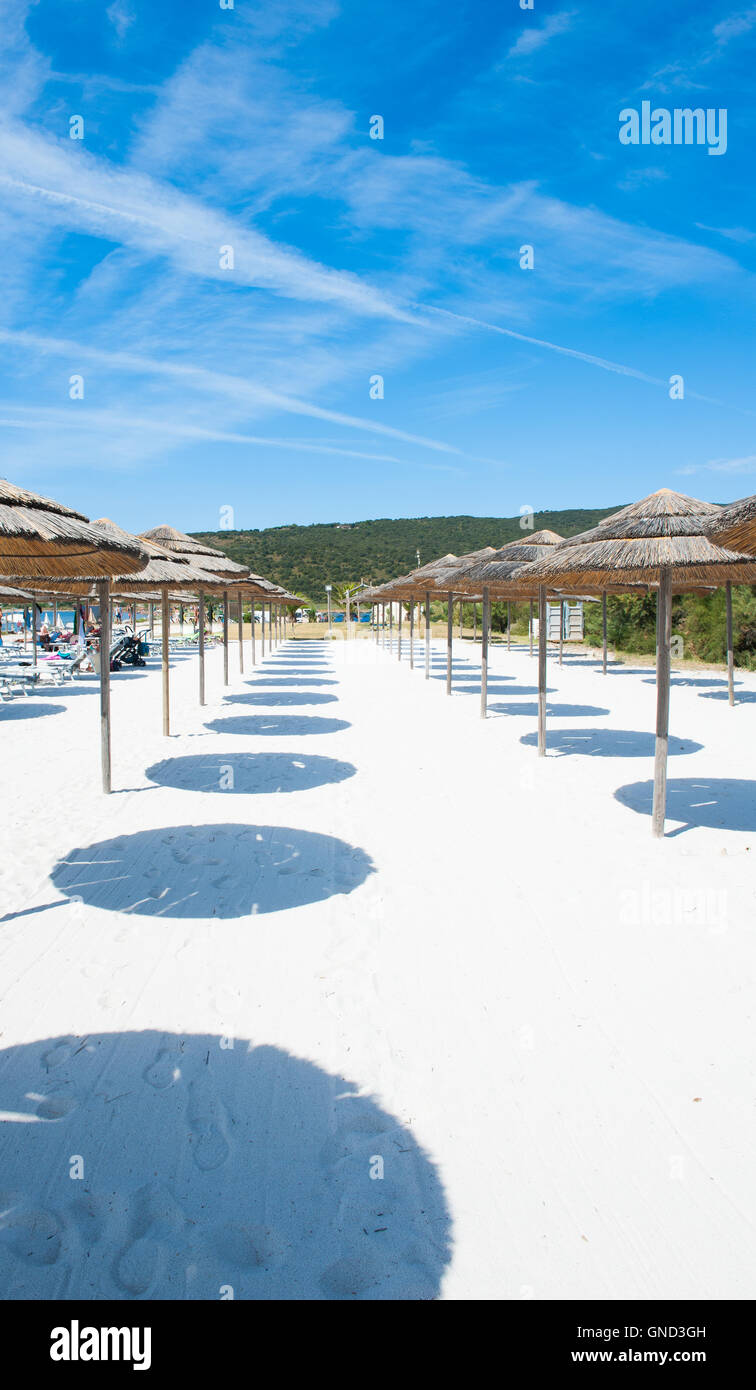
(282, 697)
(277, 725)
(742, 697)
(282, 681)
(227, 871)
(530, 707)
(718, 803)
(249, 772)
(209, 1163)
(608, 743)
(27, 710)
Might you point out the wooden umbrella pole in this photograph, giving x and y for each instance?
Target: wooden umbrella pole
(730, 647)
(475, 622)
(412, 634)
(252, 623)
(664, 601)
(103, 590)
(34, 633)
(531, 627)
(262, 631)
(427, 634)
(561, 629)
(391, 626)
(509, 626)
(225, 636)
(376, 621)
(541, 669)
(399, 637)
(165, 634)
(603, 632)
(461, 612)
(201, 634)
(152, 618)
(241, 635)
(449, 640)
(486, 623)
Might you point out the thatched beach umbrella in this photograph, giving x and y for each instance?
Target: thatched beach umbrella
(164, 575)
(215, 562)
(735, 526)
(175, 574)
(43, 540)
(496, 575)
(660, 540)
(416, 584)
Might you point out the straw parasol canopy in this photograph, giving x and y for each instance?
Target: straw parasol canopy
(664, 532)
(417, 582)
(14, 596)
(161, 568)
(42, 539)
(660, 540)
(207, 556)
(735, 526)
(495, 570)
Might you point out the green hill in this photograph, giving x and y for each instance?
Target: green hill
(305, 558)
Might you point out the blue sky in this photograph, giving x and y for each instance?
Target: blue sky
(209, 387)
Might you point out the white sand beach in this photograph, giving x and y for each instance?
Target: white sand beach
(344, 993)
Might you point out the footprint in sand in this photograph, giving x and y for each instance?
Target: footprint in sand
(57, 1055)
(137, 1266)
(248, 1246)
(164, 1070)
(205, 1115)
(57, 1105)
(352, 1275)
(157, 1222)
(32, 1235)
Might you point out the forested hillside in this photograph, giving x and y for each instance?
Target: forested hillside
(305, 558)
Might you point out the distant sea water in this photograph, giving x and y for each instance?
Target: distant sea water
(12, 616)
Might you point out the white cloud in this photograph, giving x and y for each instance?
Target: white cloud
(739, 234)
(138, 210)
(734, 26)
(106, 421)
(745, 464)
(121, 16)
(213, 382)
(532, 39)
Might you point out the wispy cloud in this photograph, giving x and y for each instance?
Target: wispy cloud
(77, 418)
(744, 464)
(532, 39)
(121, 16)
(147, 213)
(734, 26)
(739, 234)
(213, 382)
